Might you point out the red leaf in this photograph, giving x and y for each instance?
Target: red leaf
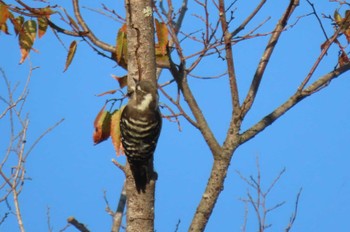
(102, 126)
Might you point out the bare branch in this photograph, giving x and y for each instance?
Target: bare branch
(178, 105)
(14, 174)
(292, 101)
(248, 19)
(79, 226)
(259, 203)
(248, 101)
(294, 215)
(42, 136)
(234, 127)
(48, 214)
(320, 57)
(318, 18)
(118, 216)
(90, 34)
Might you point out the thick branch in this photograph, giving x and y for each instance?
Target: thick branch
(79, 226)
(230, 66)
(90, 34)
(248, 102)
(292, 101)
(214, 187)
(181, 79)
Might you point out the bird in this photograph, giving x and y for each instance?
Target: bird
(140, 126)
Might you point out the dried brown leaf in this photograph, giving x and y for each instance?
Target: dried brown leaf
(71, 52)
(123, 81)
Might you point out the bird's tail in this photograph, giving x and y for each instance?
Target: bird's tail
(142, 173)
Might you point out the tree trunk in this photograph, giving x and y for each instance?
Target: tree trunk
(214, 187)
(141, 66)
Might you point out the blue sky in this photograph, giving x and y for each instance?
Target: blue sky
(69, 174)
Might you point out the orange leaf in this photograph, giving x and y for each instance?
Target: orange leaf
(122, 47)
(71, 53)
(343, 59)
(4, 13)
(115, 131)
(162, 35)
(123, 81)
(102, 126)
(347, 35)
(26, 38)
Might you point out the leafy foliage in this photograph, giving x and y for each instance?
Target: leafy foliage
(107, 125)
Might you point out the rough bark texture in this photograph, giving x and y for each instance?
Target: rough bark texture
(141, 66)
(211, 194)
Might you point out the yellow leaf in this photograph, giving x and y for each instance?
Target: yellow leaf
(4, 13)
(115, 131)
(337, 18)
(26, 38)
(71, 53)
(4, 28)
(122, 47)
(162, 35)
(102, 126)
(42, 21)
(123, 81)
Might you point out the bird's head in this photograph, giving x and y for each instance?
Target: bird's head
(143, 96)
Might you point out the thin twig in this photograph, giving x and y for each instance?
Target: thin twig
(248, 19)
(294, 215)
(118, 216)
(90, 34)
(120, 166)
(42, 136)
(318, 19)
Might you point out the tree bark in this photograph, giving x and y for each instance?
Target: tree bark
(141, 65)
(214, 187)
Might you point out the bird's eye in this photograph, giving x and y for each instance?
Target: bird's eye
(138, 88)
(130, 92)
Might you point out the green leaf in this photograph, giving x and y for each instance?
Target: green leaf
(42, 21)
(122, 47)
(26, 38)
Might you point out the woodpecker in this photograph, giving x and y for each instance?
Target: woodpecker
(140, 125)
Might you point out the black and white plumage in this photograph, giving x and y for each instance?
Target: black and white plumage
(140, 126)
